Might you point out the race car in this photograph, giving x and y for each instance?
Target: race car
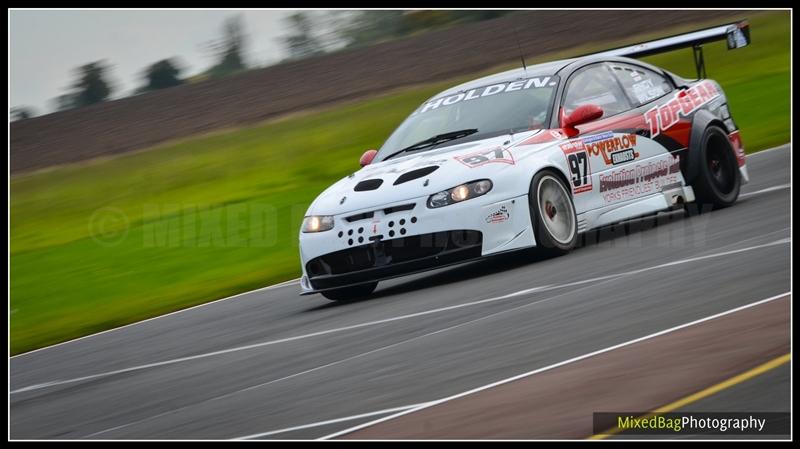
(530, 157)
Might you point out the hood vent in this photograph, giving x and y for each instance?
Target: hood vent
(368, 184)
(414, 174)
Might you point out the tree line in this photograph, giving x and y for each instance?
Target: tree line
(312, 33)
(91, 83)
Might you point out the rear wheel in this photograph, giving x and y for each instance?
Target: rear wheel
(552, 214)
(718, 181)
(354, 292)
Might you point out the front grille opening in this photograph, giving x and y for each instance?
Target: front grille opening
(393, 209)
(357, 217)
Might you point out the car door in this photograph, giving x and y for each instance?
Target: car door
(626, 165)
(600, 146)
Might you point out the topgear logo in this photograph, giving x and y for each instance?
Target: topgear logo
(661, 118)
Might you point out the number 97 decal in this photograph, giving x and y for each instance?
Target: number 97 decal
(498, 154)
(578, 163)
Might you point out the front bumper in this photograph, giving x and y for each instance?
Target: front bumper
(407, 237)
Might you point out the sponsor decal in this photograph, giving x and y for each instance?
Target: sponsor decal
(645, 91)
(606, 143)
(578, 163)
(498, 216)
(479, 158)
(641, 179)
(661, 118)
(487, 91)
(620, 157)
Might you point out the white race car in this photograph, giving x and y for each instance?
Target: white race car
(526, 158)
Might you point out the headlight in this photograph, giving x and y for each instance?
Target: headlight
(317, 223)
(460, 193)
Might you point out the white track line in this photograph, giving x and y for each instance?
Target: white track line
(768, 189)
(785, 146)
(282, 284)
(364, 354)
(330, 421)
(262, 289)
(392, 319)
(550, 367)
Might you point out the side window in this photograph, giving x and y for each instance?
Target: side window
(595, 85)
(640, 84)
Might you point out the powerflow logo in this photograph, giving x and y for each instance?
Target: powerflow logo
(688, 423)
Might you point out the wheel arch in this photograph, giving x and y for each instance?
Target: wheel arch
(703, 119)
(558, 172)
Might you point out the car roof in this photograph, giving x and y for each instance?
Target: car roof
(544, 69)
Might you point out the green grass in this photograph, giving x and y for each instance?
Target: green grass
(215, 215)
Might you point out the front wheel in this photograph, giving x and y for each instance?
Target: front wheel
(347, 293)
(552, 214)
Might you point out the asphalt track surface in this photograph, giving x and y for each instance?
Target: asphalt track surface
(660, 371)
(768, 392)
(263, 362)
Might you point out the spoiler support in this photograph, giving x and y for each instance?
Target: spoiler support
(699, 62)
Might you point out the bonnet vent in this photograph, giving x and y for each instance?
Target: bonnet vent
(368, 184)
(414, 174)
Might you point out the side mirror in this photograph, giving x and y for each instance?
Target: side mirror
(367, 157)
(582, 114)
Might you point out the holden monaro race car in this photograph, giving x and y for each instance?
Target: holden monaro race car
(530, 157)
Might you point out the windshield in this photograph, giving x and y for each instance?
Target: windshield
(492, 110)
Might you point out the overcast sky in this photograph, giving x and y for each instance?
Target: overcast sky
(45, 46)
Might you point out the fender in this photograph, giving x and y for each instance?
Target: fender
(558, 171)
(702, 120)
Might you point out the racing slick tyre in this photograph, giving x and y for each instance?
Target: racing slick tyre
(718, 180)
(552, 214)
(354, 292)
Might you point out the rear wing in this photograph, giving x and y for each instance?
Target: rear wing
(737, 35)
